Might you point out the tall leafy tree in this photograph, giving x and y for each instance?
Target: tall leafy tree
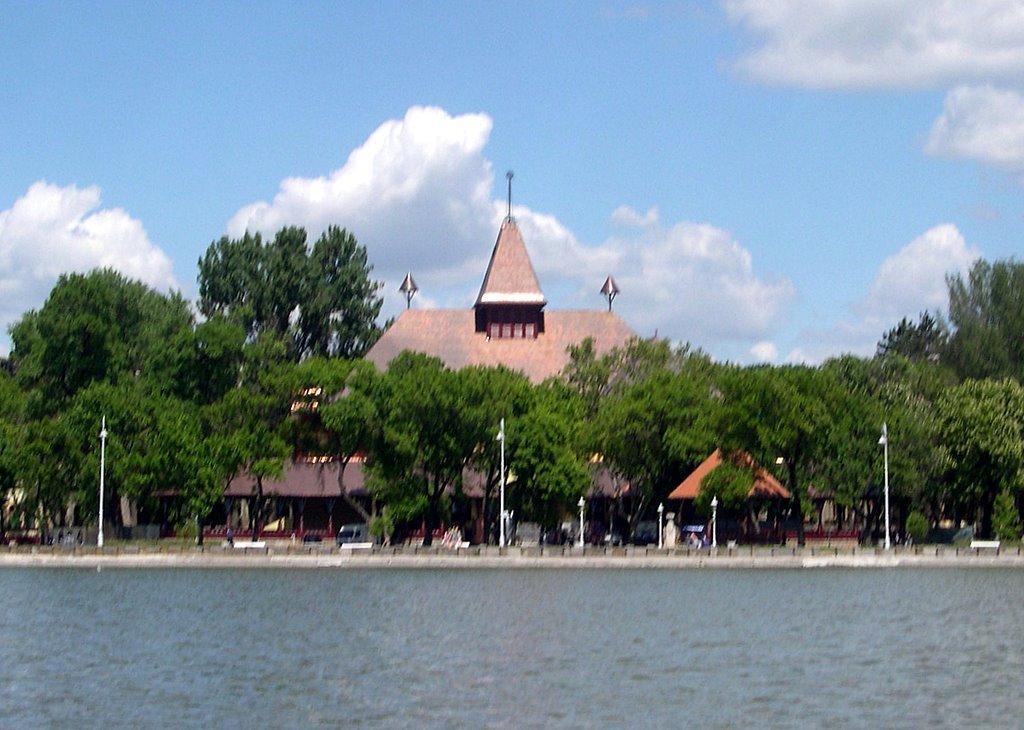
(986, 311)
(11, 435)
(493, 393)
(777, 413)
(925, 339)
(251, 423)
(546, 456)
(419, 439)
(982, 426)
(96, 327)
(341, 302)
(321, 300)
(204, 364)
(655, 421)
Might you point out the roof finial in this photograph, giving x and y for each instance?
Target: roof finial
(408, 288)
(509, 175)
(610, 290)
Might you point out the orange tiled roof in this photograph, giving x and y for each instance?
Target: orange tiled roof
(765, 485)
(450, 335)
(510, 278)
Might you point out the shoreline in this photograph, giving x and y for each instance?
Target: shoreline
(489, 558)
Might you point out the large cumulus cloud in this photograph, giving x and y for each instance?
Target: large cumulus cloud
(52, 230)
(420, 195)
(909, 282)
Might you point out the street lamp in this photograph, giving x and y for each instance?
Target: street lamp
(581, 504)
(661, 512)
(501, 529)
(884, 443)
(714, 521)
(103, 466)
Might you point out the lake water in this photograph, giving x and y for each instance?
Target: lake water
(511, 648)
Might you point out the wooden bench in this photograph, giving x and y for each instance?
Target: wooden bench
(984, 544)
(356, 546)
(250, 545)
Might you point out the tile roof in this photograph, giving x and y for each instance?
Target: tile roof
(510, 278)
(450, 335)
(304, 479)
(765, 485)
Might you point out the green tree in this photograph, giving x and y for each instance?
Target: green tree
(185, 460)
(204, 363)
(917, 527)
(1006, 517)
(731, 482)
(490, 394)
(982, 427)
(329, 415)
(656, 420)
(322, 302)
(96, 327)
(550, 468)
(419, 439)
(987, 314)
(926, 339)
(778, 413)
(341, 303)
(588, 374)
(909, 393)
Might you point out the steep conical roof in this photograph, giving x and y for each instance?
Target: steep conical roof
(510, 278)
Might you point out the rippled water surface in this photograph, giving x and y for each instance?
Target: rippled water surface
(511, 649)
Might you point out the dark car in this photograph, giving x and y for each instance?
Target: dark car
(646, 533)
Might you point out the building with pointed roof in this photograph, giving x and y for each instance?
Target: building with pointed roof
(508, 324)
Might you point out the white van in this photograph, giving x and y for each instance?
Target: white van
(355, 534)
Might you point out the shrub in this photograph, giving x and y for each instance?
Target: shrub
(1006, 518)
(917, 526)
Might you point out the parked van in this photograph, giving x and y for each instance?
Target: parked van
(354, 533)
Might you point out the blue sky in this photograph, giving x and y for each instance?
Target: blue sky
(770, 181)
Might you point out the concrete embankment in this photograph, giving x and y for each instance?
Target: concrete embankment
(290, 556)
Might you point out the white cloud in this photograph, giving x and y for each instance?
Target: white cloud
(52, 230)
(416, 193)
(689, 281)
(630, 218)
(914, 279)
(981, 123)
(880, 43)
(909, 282)
(765, 352)
(419, 195)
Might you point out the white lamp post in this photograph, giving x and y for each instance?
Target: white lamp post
(714, 521)
(661, 523)
(581, 504)
(884, 443)
(103, 466)
(501, 528)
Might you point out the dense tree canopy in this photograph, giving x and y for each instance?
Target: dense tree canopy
(96, 327)
(191, 406)
(986, 311)
(982, 426)
(654, 420)
(321, 301)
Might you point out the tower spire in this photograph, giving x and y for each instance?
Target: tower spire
(509, 175)
(610, 290)
(408, 288)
